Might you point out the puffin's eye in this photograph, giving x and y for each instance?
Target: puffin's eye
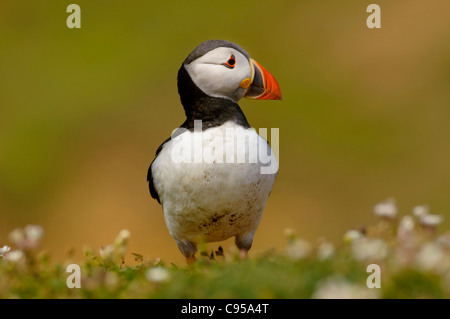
(231, 62)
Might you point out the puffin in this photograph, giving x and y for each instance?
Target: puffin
(214, 174)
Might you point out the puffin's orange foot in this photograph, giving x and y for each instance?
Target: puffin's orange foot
(243, 253)
(190, 260)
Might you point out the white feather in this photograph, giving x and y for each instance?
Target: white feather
(214, 79)
(212, 201)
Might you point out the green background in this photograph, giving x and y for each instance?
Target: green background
(365, 113)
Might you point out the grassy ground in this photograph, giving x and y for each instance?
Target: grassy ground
(413, 259)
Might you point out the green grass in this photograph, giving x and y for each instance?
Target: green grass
(414, 263)
(269, 276)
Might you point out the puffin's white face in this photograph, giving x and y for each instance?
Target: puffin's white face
(222, 72)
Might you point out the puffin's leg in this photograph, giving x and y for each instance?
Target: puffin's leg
(188, 250)
(244, 243)
(243, 253)
(190, 260)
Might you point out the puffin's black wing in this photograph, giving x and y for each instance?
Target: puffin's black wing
(184, 127)
(151, 186)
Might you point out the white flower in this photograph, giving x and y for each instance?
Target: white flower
(431, 220)
(122, 238)
(386, 209)
(15, 256)
(114, 252)
(4, 250)
(325, 250)
(121, 242)
(34, 232)
(432, 257)
(444, 240)
(106, 252)
(339, 288)
(17, 236)
(369, 249)
(352, 235)
(27, 238)
(157, 274)
(298, 249)
(407, 240)
(405, 228)
(420, 210)
(111, 280)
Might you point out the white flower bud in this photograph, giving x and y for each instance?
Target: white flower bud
(386, 209)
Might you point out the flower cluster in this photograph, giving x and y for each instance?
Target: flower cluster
(26, 240)
(115, 252)
(386, 209)
(412, 256)
(396, 243)
(3, 250)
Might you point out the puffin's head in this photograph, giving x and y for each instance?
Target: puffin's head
(223, 69)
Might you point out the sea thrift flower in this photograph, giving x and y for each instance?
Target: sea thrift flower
(121, 243)
(407, 240)
(386, 209)
(27, 238)
(405, 229)
(432, 257)
(17, 236)
(298, 249)
(157, 274)
(106, 252)
(111, 280)
(340, 288)
(4, 250)
(325, 250)
(369, 249)
(114, 252)
(444, 240)
(352, 235)
(15, 256)
(420, 210)
(431, 220)
(34, 233)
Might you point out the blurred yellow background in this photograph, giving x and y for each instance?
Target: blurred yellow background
(365, 113)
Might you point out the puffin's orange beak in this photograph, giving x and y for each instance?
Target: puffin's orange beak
(263, 85)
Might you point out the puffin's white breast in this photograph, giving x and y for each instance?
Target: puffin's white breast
(210, 182)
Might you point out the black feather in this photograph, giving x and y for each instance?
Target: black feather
(212, 111)
(151, 185)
